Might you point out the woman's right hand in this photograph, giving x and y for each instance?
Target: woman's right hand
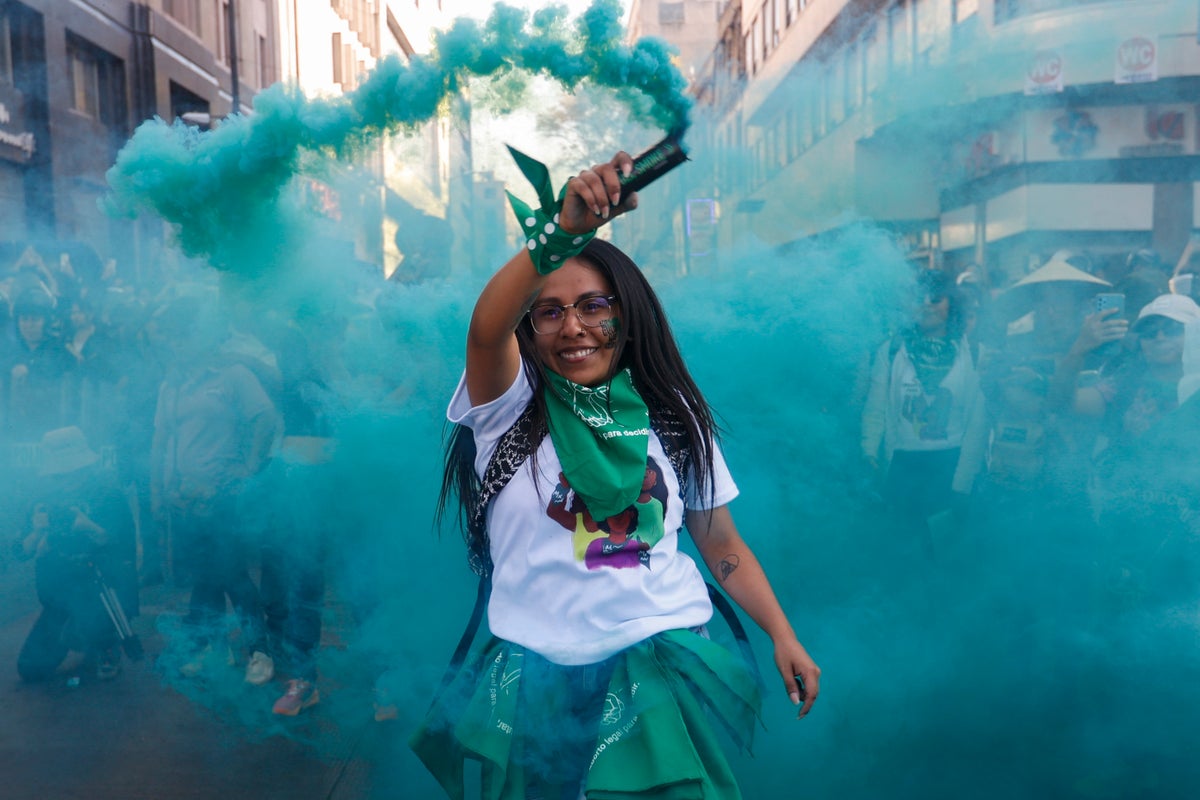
(593, 196)
(1100, 329)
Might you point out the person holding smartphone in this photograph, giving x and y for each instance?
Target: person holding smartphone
(1146, 472)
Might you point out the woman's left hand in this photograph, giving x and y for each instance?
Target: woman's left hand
(801, 675)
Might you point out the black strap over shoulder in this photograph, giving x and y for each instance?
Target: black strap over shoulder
(518, 443)
(514, 447)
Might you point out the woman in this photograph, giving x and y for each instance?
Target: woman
(1146, 473)
(924, 392)
(598, 677)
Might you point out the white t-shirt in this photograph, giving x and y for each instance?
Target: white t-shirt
(571, 589)
(920, 421)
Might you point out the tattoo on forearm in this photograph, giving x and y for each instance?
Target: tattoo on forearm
(726, 566)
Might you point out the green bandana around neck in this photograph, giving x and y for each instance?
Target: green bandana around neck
(601, 435)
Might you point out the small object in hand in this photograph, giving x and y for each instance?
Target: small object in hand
(1107, 300)
(654, 163)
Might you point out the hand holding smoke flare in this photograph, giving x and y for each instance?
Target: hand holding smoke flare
(655, 162)
(224, 189)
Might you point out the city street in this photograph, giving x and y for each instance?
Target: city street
(137, 738)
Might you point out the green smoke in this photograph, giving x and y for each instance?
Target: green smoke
(223, 189)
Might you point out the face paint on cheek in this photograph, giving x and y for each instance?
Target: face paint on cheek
(609, 328)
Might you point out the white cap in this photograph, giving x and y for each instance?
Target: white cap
(1172, 306)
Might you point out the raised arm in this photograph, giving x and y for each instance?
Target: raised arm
(737, 570)
(492, 355)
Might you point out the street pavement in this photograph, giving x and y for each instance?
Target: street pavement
(138, 738)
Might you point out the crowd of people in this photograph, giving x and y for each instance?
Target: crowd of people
(150, 434)
(1063, 402)
(136, 422)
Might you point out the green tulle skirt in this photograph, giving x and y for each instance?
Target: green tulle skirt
(653, 737)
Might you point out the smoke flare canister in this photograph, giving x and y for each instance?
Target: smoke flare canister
(654, 163)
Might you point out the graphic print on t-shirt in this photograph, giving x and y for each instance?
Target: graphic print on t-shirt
(928, 417)
(623, 540)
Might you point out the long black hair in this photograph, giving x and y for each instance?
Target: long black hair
(645, 345)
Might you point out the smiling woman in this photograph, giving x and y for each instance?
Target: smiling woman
(578, 346)
(581, 448)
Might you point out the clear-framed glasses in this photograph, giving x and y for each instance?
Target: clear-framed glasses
(592, 312)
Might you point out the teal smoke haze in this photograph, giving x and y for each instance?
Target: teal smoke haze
(1025, 660)
(224, 189)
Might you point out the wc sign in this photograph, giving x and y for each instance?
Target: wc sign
(1137, 61)
(1044, 73)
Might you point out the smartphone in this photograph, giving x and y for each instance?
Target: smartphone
(1106, 300)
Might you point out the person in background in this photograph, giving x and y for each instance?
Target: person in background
(214, 430)
(43, 391)
(1146, 466)
(924, 391)
(1186, 280)
(300, 514)
(81, 531)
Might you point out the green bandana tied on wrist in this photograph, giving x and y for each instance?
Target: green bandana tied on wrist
(601, 435)
(549, 245)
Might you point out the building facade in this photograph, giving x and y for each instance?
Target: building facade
(982, 131)
(76, 78)
(687, 25)
(396, 202)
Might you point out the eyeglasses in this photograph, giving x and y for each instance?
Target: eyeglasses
(592, 312)
(1167, 327)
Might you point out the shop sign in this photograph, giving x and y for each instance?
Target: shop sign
(1074, 134)
(15, 144)
(1137, 61)
(1166, 133)
(1044, 73)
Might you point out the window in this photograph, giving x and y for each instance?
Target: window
(923, 29)
(223, 33)
(85, 81)
(339, 75)
(265, 73)
(6, 65)
(835, 90)
(185, 12)
(899, 36)
(874, 59)
(804, 119)
(819, 116)
(964, 9)
(1006, 10)
(765, 28)
(853, 78)
(96, 81)
(671, 13)
(184, 101)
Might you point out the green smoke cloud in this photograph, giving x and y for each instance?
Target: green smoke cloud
(222, 189)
